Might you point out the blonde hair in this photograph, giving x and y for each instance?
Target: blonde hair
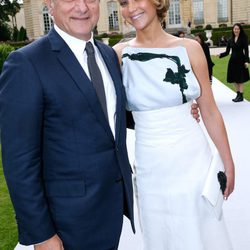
(162, 7)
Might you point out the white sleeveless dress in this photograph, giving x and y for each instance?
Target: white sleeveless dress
(172, 154)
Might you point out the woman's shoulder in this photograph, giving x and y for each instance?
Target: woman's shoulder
(193, 50)
(191, 46)
(119, 48)
(182, 42)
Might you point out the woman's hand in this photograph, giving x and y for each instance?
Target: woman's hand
(195, 111)
(246, 65)
(230, 183)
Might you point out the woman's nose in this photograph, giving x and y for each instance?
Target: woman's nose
(132, 6)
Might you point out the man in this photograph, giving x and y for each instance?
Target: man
(65, 161)
(64, 153)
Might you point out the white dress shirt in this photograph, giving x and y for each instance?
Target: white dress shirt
(78, 48)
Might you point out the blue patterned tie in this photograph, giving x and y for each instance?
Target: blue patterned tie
(96, 76)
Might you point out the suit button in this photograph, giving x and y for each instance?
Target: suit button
(117, 149)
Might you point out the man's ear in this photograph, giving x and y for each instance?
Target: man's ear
(50, 5)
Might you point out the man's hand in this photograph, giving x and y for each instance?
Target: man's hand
(195, 112)
(53, 243)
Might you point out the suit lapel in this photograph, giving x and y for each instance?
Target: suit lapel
(74, 69)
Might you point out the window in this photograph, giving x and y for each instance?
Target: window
(47, 20)
(198, 9)
(174, 13)
(222, 10)
(113, 15)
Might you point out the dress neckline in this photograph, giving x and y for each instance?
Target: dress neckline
(147, 49)
(175, 47)
(153, 48)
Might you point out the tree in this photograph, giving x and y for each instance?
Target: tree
(3, 15)
(9, 8)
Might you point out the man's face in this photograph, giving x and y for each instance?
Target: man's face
(75, 17)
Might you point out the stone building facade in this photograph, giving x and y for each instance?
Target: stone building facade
(198, 12)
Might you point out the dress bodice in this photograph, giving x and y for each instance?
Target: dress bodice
(155, 78)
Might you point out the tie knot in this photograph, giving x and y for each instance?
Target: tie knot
(89, 48)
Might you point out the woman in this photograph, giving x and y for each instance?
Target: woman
(162, 75)
(199, 38)
(237, 71)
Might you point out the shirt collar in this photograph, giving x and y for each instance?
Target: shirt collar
(73, 42)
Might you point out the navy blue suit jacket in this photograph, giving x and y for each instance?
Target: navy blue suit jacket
(65, 171)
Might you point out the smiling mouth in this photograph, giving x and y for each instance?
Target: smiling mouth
(80, 18)
(136, 16)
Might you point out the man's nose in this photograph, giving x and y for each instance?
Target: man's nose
(81, 5)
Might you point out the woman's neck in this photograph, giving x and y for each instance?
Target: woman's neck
(150, 36)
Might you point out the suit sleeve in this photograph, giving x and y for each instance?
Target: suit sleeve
(21, 124)
(227, 50)
(246, 50)
(208, 56)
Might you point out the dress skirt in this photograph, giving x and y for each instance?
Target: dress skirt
(172, 157)
(237, 72)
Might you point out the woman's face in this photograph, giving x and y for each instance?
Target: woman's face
(236, 30)
(139, 13)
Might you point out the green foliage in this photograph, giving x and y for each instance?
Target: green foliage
(104, 35)
(12, 7)
(8, 8)
(22, 35)
(218, 34)
(198, 28)
(116, 35)
(15, 34)
(19, 35)
(5, 49)
(5, 33)
(208, 27)
(3, 13)
(222, 25)
(113, 41)
(8, 229)
(19, 44)
(247, 31)
(222, 31)
(113, 38)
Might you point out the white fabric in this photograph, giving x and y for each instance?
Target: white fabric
(143, 80)
(211, 190)
(78, 48)
(172, 155)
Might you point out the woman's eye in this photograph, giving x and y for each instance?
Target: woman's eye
(123, 3)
